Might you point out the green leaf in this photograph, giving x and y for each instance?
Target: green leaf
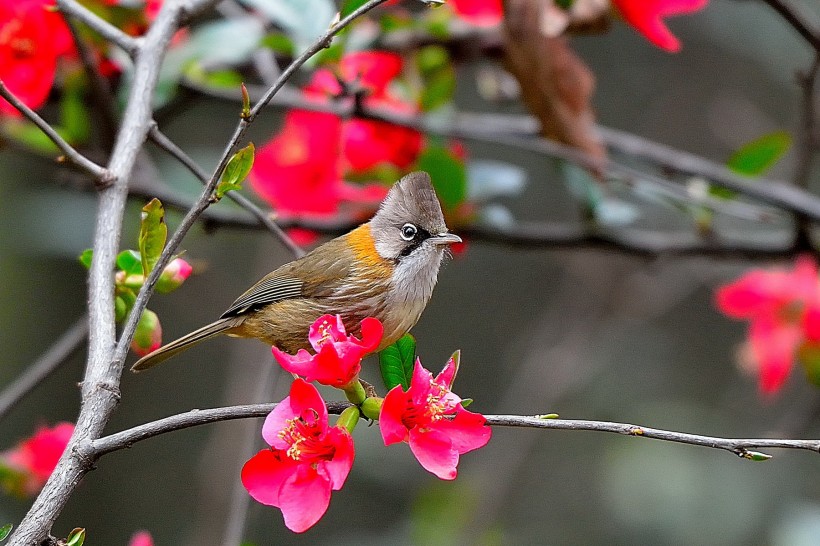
(130, 262)
(466, 402)
(350, 6)
(755, 456)
(76, 537)
(223, 79)
(74, 115)
(31, 136)
(448, 173)
(396, 362)
(438, 75)
(759, 155)
(153, 233)
(85, 257)
(5, 530)
(235, 171)
(280, 43)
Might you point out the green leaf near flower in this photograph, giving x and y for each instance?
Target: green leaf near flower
(448, 174)
(397, 361)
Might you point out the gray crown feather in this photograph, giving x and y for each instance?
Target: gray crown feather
(411, 199)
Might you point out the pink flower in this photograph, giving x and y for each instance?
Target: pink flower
(31, 39)
(141, 538)
(431, 419)
(148, 335)
(31, 462)
(647, 18)
(173, 275)
(338, 357)
(307, 460)
(483, 13)
(783, 308)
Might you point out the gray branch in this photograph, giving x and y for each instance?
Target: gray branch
(739, 446)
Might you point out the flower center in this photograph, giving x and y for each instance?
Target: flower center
(438, 405)
(305, 440)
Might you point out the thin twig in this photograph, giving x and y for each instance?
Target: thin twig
(74, 9)
(739, 446)
(805, 143)
(98, 172)
(799, 20)
(263, 218)
(41, 368)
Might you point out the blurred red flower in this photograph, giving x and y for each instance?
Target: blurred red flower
(307, 460)
(141, 538)
(338, 357)
(783, 308)
(301, 170)
(26, 467)
(478, 12)
(647, 18)
(430, 417)
(32, 37)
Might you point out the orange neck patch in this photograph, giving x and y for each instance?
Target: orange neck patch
(364, 248)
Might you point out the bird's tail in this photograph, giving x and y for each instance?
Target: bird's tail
(185, 342)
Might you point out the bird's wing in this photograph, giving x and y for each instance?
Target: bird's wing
(269, 290)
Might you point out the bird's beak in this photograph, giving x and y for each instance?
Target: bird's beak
(445, 239)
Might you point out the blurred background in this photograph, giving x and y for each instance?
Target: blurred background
(582, 332)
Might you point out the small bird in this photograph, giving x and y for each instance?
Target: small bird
(386, 268)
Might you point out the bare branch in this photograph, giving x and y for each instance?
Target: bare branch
(41, 368)
(98, 172)
(739, 446)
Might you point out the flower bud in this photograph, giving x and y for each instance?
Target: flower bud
(148, 336)
(173, 275)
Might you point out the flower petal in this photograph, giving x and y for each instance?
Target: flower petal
(467, 431)
(390, 416)
(304, 498)
(339, 466)
(434, 452)
(774, 345)
(264, 474)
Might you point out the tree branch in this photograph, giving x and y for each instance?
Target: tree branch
(98, 172)
(739, 446)
(41, 368)
(100, 387)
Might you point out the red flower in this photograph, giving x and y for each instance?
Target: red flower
(431, 419)
(483, 13)
(338, 357)
(31, 39)
(301, 169)
(31, 462)
(783, 308)
(141, 538)
(307, 460)
(647, 18)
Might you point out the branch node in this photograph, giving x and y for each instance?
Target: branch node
(85, 453)
(636, 431)
(110, 387)
(106, 180)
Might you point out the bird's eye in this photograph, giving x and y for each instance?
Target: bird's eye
(408, 232)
